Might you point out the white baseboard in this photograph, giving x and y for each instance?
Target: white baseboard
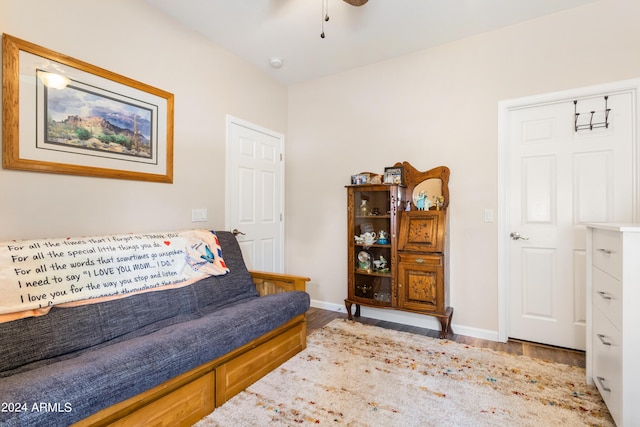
(411, 319)
(328, 306)
(484, 334)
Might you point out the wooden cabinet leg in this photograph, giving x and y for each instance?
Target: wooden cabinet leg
(445, 323)
(348, 305)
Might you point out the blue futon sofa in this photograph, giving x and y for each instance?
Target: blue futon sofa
(168, 357)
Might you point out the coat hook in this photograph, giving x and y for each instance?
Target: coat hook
(591, 125)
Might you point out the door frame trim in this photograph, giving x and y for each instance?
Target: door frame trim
(232, 120)
(504, 107)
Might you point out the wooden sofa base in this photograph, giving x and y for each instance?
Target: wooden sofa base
(191, 396)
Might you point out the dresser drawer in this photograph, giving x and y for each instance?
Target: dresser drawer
(607, 252)
(607, 296)
(607, 363)
(420, 259)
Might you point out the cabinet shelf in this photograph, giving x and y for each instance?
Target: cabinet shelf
(373, 216)
(372, 273)
(375, 245)
(371, 302)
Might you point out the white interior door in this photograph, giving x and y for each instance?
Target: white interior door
(560, 179)
(255, 193)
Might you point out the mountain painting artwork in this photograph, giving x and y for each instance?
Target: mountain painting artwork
(86, 119)
(63, 115)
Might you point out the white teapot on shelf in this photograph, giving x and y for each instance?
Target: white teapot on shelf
(369, 237)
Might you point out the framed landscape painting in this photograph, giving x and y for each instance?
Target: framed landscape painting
(62, 115)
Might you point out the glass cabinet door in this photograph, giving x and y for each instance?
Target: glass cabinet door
(372, 212)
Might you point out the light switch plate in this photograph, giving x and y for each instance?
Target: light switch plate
(488, 215)
(199, 215)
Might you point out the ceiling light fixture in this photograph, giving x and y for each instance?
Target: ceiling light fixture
(275, 62)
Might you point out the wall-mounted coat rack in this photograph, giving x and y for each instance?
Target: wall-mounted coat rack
(591, 125)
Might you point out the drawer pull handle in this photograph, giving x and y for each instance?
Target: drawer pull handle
(602, 339)
(605, 251)
(604, 295)
(604, 387)
(420, 260)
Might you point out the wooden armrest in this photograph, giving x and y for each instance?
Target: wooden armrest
(271, 283)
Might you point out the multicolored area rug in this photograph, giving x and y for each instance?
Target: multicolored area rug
(361, 375)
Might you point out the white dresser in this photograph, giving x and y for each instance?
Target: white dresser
(613, 318)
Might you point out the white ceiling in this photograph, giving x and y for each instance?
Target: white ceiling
(355, 36)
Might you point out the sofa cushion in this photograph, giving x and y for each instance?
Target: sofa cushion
(63, 331)
(97, 379)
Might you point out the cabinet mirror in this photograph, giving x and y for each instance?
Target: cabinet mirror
(431, 187)
(434, 182)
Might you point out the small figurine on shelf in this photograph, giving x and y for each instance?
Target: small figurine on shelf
(364, 208)
(383, 237)
(423, 202)
(438, 202)
(381, 264)
(364, 261)
(408, 206)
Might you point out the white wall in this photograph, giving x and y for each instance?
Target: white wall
(431, 108)
(435, 107)
(131, 38)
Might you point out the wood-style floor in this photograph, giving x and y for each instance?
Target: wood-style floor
(317, 318)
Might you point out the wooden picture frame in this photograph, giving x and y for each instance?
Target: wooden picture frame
(62, 115)
(359, 179)
(394, 175)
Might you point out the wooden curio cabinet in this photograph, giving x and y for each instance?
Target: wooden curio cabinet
(373, 212)
(415, 276)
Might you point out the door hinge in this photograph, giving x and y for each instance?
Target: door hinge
(280, 156)
(280, 217)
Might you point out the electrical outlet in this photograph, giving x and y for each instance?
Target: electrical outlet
(199, 215)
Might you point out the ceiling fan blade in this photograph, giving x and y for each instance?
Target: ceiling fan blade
(356, 2)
